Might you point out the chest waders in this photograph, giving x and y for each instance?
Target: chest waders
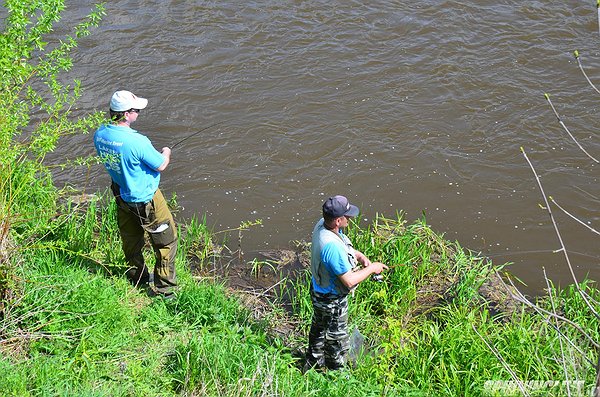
(154, 218)
(328, 340)
(318, 268)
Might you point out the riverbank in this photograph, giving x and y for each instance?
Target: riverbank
(435, 326)
(441, 324)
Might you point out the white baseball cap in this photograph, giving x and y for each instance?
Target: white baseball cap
(122, 101)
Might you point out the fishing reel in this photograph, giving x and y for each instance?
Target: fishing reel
(377, 278)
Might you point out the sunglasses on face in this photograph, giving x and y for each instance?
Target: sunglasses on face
(133, 111)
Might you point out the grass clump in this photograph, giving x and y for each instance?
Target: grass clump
(444, 323)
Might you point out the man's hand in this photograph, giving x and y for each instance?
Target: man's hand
(166, 152)
(351, 279)
(377, 267)
(362, 258)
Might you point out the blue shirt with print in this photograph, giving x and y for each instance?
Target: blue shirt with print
(130, 160)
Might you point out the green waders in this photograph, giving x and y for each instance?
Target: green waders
(155, 219)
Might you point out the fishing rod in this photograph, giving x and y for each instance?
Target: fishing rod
(197, 132)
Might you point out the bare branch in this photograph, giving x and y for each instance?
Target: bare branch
(562, 351)
(521, 298)
(566, 129)
(562, 245)
(598, 11)
(572, 216)
(503, 362)
(576, 54)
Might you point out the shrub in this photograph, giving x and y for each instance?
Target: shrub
(36, 112)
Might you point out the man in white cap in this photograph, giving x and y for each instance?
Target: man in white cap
(134, 166)
(333, 263)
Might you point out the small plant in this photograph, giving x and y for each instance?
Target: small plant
(198, 245)
(245, 225)
(258, 265)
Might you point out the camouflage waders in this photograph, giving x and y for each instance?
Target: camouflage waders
(154, 218)
(328, 340)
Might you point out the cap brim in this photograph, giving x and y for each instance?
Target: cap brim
(352, 211)
(140, 103)
(120, 105)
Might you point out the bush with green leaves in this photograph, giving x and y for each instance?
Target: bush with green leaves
(37, 110)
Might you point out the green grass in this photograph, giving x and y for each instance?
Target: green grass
(442, 350)
(428, 327)
(76, 327)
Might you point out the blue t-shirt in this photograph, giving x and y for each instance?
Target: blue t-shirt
(130, 160)
(336, 262)
(334, 257)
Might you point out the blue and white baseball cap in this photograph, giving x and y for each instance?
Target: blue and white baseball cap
(337, 206)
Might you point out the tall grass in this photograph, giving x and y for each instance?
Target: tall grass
(429, 326)
(78, 327)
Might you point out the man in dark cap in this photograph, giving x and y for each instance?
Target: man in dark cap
(134, 166)
(333, 260)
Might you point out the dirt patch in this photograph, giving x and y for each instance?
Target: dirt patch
(265, 285)
(433, 293)
(263, 282)
(439, 290)
(499, 297)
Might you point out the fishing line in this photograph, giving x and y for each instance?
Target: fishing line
(530, 252)
(197, 132)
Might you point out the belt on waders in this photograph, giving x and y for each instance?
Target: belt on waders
(137, 207)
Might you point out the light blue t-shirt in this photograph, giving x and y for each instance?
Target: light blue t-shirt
(332, 259)
(130, 160)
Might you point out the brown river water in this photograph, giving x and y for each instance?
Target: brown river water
(418, 107)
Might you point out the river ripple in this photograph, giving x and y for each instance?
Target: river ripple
(401, 106)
